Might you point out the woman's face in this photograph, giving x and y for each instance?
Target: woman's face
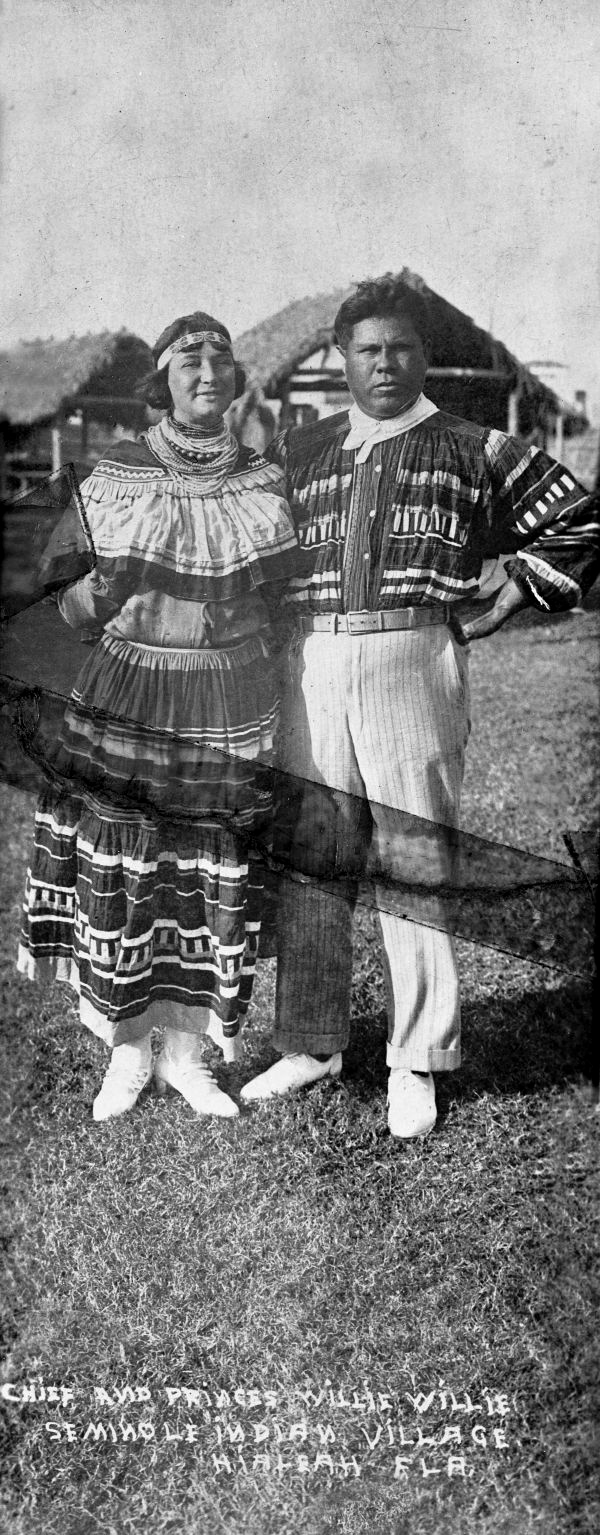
(202, 383)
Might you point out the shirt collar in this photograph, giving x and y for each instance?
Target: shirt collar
(365, 431)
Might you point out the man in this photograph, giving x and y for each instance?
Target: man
(397, 505)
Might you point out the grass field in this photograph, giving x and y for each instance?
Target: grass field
(437, 1299)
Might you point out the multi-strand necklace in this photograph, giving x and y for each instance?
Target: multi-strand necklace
(205, 460)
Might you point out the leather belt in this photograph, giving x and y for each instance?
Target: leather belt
(373, 623)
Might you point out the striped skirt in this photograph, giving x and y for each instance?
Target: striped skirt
(183, 732)
(143, 893)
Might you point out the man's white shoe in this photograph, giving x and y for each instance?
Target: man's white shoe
(129, 1070)
(289, 1074)
(411, 1103)
(181, 1066)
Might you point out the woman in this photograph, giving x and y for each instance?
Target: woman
(143, 892)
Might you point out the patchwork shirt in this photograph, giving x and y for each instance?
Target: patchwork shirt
(414, 524)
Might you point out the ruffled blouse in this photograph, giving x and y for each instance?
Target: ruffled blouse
(177, 567)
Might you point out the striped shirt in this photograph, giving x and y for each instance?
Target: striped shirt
(415, 522)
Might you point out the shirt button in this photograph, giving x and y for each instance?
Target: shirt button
(378, 468)
(366, 556)
(373, 513)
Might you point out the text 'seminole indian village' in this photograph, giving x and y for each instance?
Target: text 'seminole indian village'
(299, 640)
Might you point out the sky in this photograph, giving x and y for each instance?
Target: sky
(233, 155)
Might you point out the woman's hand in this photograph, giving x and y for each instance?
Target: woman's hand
(509, 600)
(89, 603)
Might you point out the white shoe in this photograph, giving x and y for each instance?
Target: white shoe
(129, 1070)
(181, 1066)
(289, 1074)
(411, 1103)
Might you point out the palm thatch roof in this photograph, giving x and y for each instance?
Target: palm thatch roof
(275, 348)
(39, 378)
(272, 350)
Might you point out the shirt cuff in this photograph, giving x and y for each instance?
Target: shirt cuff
(549, 590)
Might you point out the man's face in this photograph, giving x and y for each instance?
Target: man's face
(202, 383)
(386, 363)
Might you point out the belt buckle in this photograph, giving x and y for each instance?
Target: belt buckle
(359, 622)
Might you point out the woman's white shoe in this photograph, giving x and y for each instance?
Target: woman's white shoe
(181, 1066)
(129, 1070)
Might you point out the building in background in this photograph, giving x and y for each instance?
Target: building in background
(66, 401)
(295, 374)
(580, 451)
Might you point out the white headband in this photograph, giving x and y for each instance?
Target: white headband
(191, 338)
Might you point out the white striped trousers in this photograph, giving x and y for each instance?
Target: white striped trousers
(371, 725)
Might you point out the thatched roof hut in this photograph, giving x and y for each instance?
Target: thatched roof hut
(39, 379)
(471, 372)
(272, 350)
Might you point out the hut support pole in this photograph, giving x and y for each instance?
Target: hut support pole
(284, 395)
(512, 423)
(85, 420)
(559, 435)
(56, 449)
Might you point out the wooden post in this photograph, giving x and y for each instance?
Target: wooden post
(3, 473)
(559, 434)
(512, 423)
(56, 448)
(84, 434)
(284, 395)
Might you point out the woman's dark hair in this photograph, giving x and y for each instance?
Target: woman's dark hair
(153, 387)
(382, 298)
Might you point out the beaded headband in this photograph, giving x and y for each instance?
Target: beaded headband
(191, 338)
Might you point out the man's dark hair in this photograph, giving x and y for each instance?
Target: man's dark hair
(382, 298)
(153, 388)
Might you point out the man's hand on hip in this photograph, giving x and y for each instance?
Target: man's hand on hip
(509, 600)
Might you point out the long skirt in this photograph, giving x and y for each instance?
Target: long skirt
(151, 914)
